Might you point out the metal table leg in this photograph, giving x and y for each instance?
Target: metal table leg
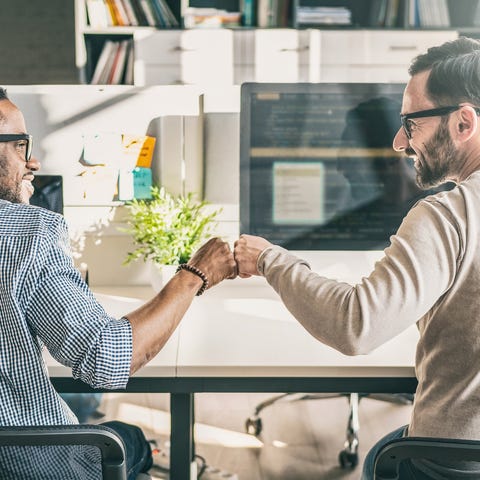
(181, 437)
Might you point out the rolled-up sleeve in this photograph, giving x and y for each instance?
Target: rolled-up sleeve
(66, 317)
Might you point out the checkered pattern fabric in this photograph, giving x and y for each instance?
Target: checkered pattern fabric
(44, 302)
(80, 462)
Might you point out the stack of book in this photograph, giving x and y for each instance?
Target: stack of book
(210, 17)
(272, 13)
(410, 13)
(432, 13)
(115, 64)
(323, 16)
(386, 13)
(152, 13)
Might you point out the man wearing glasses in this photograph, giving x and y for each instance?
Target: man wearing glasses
(430, 273)
(15, 177)
(44, 301)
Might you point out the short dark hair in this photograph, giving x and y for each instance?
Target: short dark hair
(454, 71)
(3, 96)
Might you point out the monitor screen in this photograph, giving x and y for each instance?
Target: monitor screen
(48, 192)
(317, 168)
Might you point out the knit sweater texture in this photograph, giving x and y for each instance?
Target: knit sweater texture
(429, 275)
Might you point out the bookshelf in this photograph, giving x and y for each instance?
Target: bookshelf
(392, 16)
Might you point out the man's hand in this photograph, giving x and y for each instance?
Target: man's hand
(215, 260)
(247, 250)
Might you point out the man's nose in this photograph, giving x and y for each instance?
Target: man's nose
(33, 164)
(400, 141)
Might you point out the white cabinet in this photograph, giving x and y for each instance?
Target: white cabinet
(226, 57)
(203, 57)
(368, 55)
(280, 55)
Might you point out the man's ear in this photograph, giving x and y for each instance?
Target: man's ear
(466, 125)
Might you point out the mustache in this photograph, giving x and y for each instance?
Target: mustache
(409, 151)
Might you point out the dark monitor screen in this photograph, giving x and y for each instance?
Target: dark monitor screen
(48, 192)
(317, 168)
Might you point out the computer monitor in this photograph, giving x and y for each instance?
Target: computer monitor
(48, 192)
(317, 168)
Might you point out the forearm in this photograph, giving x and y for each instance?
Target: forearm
(154, 322)
(401, 289)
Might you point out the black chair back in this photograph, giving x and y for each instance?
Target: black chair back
(53, 449)
(440, 450)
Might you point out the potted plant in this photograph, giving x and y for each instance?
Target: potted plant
(167, 230)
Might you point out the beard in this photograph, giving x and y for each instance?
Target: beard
(442, 156)
(9, 190)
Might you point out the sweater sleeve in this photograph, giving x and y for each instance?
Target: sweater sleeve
(416, 270)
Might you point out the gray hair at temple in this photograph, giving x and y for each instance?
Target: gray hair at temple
(455, 72)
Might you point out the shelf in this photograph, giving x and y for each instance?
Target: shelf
(363, 14)
(129, 30)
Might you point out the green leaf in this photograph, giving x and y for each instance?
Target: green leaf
(167, 229)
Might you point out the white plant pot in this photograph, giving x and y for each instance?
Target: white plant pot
(160, 275)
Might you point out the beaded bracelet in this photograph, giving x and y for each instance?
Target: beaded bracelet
(196, 271)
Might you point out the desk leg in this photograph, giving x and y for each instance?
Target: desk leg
(181, 437)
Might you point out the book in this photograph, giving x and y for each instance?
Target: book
(129, 10)
(97, 13)
(121, 13)
(128, 77)
(392, 13)
(264, 13)
(149, 15)
(160, 19)
(105, 77)
(142, 20)
(167, 13)
(118, 67)
(112, 12)
(103, 59)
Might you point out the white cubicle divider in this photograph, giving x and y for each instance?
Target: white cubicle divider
(66, 121)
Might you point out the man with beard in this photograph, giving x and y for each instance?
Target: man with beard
(430, 273)
(45, 302)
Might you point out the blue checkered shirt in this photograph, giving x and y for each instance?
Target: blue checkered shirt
(44, 302)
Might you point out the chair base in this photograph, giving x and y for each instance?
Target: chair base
(348, 457)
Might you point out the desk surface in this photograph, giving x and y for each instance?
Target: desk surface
(241, 329)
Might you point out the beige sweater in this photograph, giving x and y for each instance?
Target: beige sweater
(430, 275)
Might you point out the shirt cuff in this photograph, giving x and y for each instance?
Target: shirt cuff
(261, 258)
(272, 254)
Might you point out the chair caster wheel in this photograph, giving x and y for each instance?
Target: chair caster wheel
(253, 425)
(347, 459)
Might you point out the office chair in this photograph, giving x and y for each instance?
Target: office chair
(388, 459)
(348, 457)
(48, 450)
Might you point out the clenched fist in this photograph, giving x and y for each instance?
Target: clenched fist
(247, 250)
(215, 260)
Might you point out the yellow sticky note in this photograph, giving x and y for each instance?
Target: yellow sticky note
(139, 150)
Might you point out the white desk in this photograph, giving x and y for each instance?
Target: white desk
(239, 337)
(243, 330)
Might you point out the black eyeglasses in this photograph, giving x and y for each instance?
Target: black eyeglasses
(433, 112)
(25, 142)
